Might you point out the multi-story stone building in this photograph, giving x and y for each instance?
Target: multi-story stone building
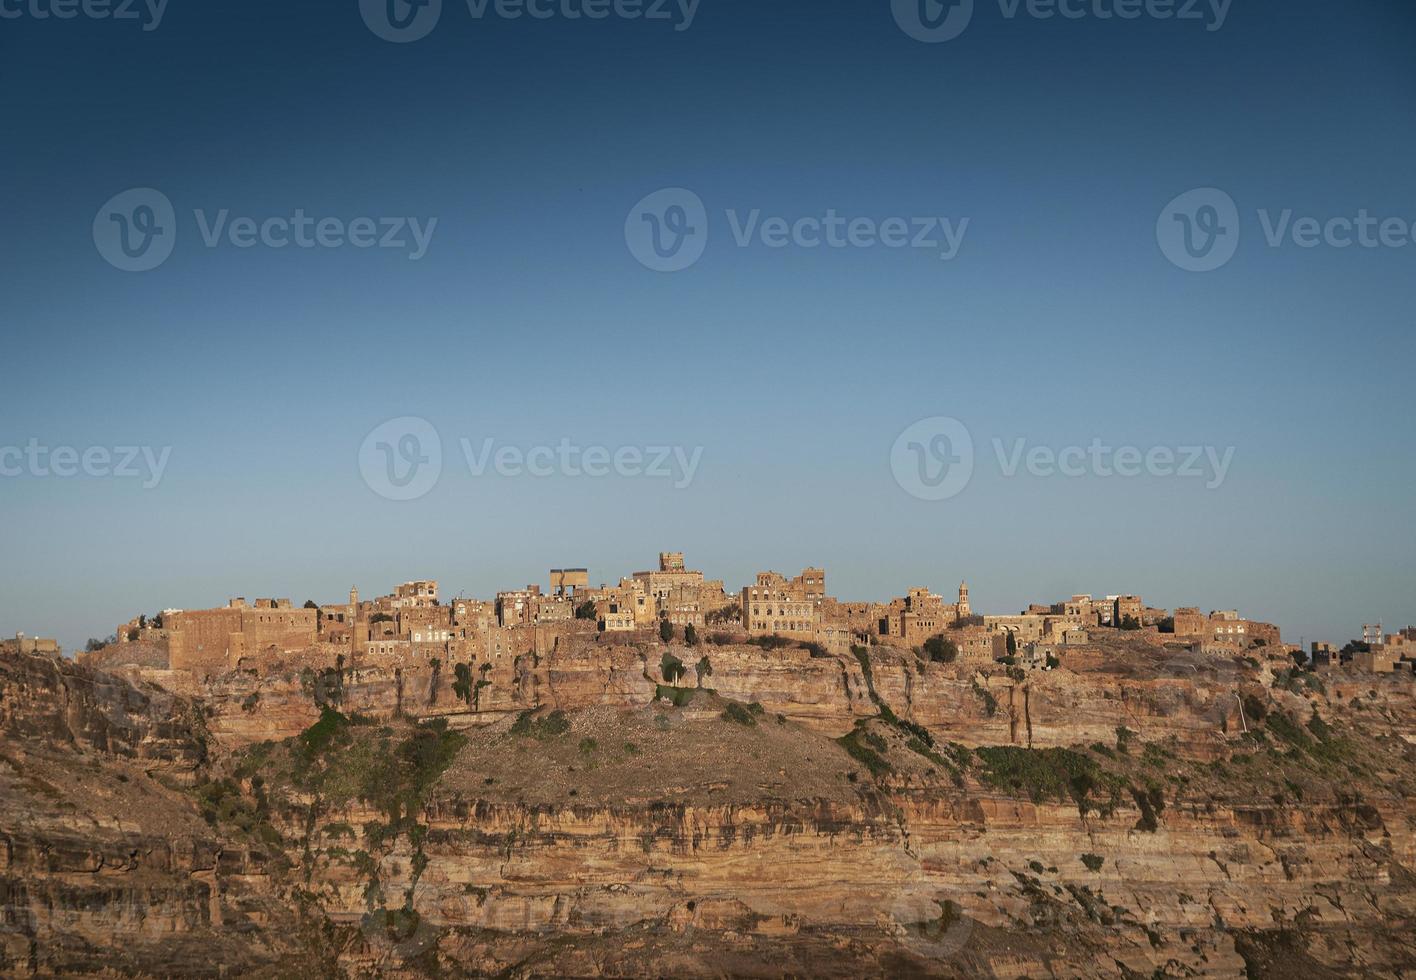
(413, 595)
(31, 644)
(569, 581)
(208, 640)
(920, 614)
(787, 607)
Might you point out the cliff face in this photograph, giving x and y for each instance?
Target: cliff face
(105, 861)
(1106, 686)
(816, 816)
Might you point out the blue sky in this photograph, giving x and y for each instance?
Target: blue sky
(529, 321)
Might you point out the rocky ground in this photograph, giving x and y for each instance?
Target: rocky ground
(1140, 812)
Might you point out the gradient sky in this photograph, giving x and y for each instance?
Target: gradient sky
(529, 321)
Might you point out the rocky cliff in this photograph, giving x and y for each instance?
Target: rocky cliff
(1141, 813)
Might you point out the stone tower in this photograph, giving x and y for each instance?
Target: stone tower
(354, 649)
(964, 610)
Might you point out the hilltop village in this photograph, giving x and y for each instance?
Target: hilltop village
(663, 778)
(415, 625)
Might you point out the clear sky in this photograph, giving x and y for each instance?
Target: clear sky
(529, 320)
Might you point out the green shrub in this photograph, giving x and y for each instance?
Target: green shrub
(551, 726)
(1050, 774)
(677, 696)
(990, 703)
(671, 668)
(854, 743)
(941, 650)
(1093, 862)
(770, 642)
(739, 715)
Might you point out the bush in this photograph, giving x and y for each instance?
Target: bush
(1043, 774)
(1124, 737)
(770, 642)
(586, 610)
(666, 630)
(941, 650)
(677, 696)
(739, 715)
(1093, 862)
(671, 668)
(990, 703)
(868, 756)
(690, 635)
(554, 724)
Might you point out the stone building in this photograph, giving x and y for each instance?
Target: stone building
(31, 644)
(920, 614)
(787, 607)
(208, 640)
(412, 595)
(569, 581)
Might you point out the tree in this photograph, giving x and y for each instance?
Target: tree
(1130, 623)
(703, 669)
(93, 644)
(1167, 625)
(941, 650)
(666, 630)
(690, 635)
(672, 668)
(586, 610)
(1012, 644)
(311, 604)
(462, 685)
